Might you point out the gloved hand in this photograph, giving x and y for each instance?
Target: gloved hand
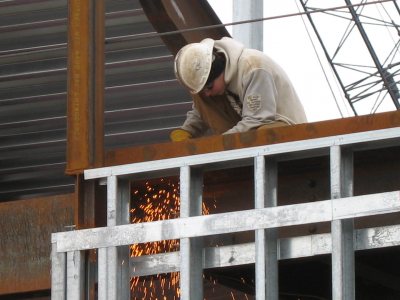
(179, 135)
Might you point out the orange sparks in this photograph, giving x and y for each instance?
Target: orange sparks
(154, 201)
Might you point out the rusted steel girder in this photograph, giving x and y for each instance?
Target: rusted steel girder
(253, 138)
(85, 118)
(25, 231)
(170, 16)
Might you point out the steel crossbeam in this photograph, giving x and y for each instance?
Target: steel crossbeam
(288, 248)
(288, 215)
(370, 139)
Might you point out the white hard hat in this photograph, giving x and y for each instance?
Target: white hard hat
(193, 64)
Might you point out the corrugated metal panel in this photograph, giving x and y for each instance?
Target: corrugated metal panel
(142, 98)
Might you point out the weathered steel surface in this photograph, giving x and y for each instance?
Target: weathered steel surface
(25, 232)
(169, 16)
(254, 138)
(85, 147)
(85, 85)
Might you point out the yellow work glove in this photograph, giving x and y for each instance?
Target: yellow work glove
(179, 135)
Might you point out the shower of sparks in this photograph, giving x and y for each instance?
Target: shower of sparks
(155, 201)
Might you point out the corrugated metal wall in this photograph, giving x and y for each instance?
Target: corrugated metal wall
(142, 98)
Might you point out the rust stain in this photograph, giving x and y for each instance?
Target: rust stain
(228, 141)
(191, 147)
(249, 138)
(149, 153)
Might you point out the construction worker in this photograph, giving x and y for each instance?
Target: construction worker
(234, 89)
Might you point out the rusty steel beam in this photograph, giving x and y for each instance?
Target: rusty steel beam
(253, 138)
(25, 246)
(170, 16)
(85, 117)
(85, 145)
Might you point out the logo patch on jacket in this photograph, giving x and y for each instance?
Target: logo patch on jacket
(253, 102)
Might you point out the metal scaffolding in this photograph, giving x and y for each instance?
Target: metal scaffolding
(361, 44)
(113, 241)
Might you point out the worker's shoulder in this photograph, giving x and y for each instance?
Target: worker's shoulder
(252, 59)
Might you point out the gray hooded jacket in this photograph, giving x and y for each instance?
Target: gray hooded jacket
(257, 88)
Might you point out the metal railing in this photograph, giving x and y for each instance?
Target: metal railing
(115, 267)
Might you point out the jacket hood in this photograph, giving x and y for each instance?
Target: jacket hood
(232, 50)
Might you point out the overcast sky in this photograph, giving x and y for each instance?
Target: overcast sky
(287, 42)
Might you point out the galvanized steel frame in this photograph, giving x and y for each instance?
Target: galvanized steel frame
(264, 220)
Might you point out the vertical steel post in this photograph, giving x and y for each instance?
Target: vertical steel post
(85, 118)
(75, 278)
(58, 272)
(85, 113)
(251, 34)
(98, 81)
(103, 274)
(113, 261)
(343, 286)
(266, 241)
(123, 210)
(191, 249)
(111, 252)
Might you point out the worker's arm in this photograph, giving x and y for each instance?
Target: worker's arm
(259, 101)
(192, 127)
(194, 124)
